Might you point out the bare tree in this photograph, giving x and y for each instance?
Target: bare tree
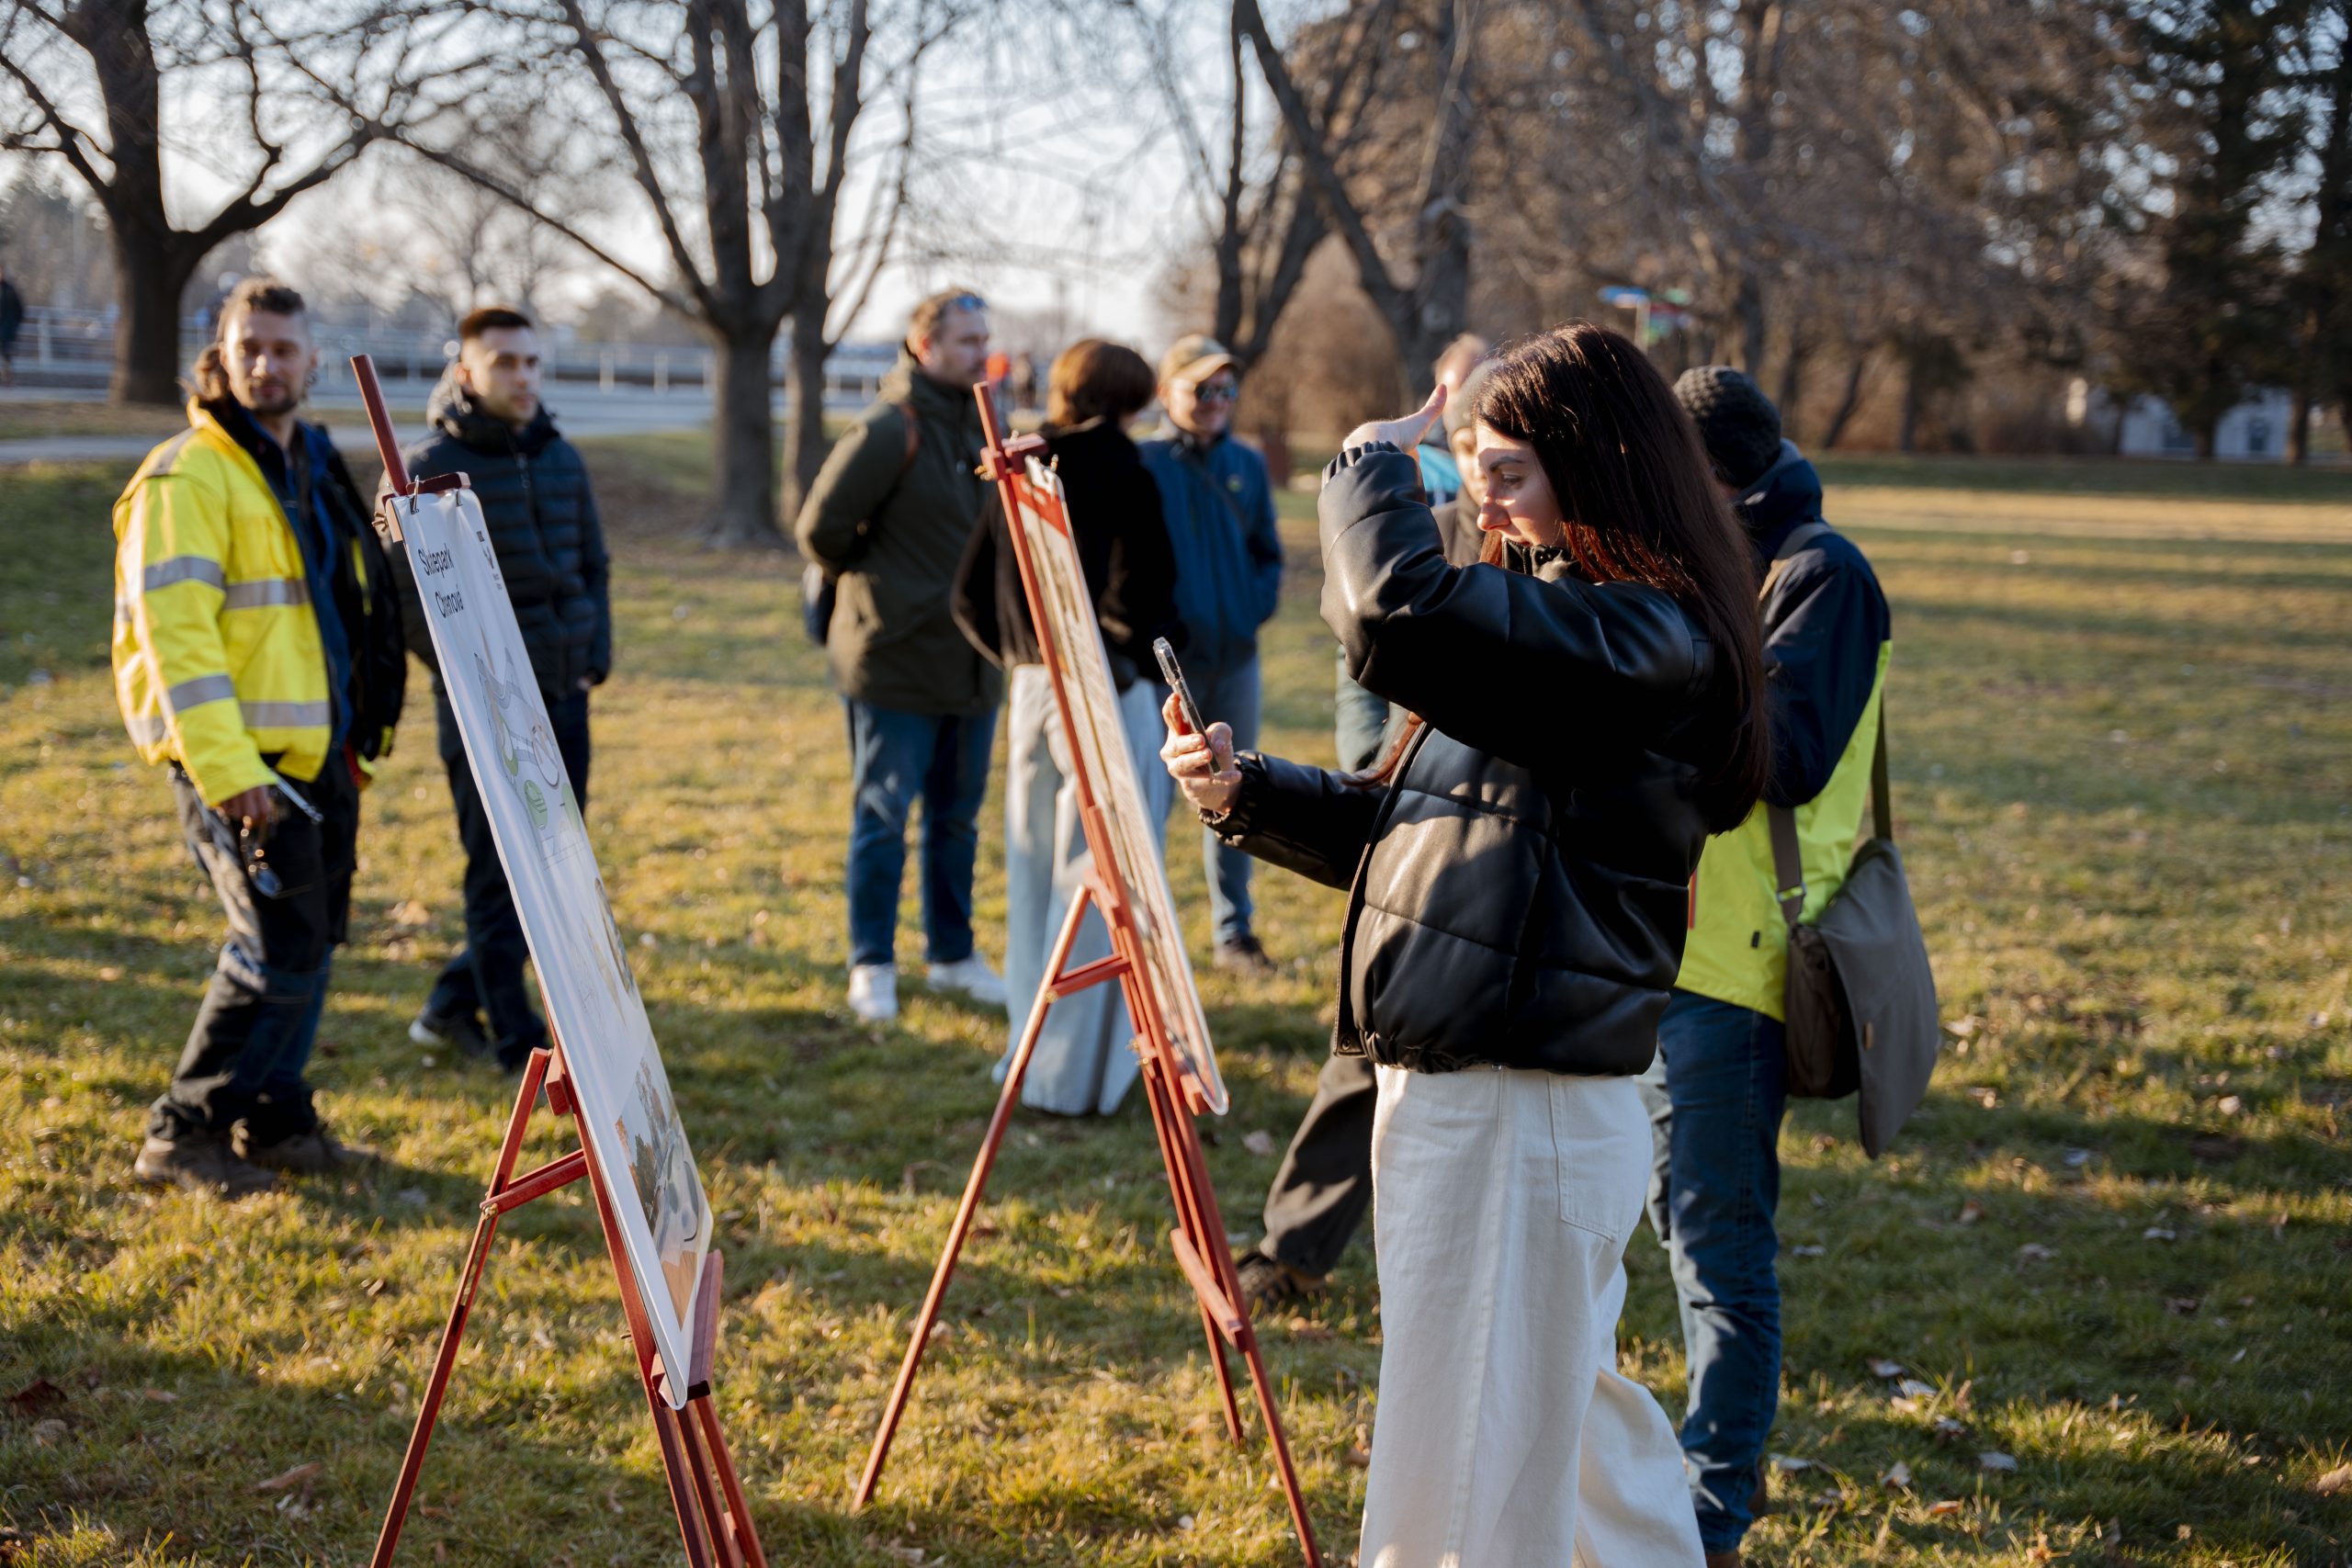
(1423, 179)
(85, 82)
(735, 124)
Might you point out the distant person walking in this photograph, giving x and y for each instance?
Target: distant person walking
(1082, 1062)
(1220, 505)
(12, 322)
(1719, 1087)
(489, 425)
(888, 518)
(256, 653)
(1363, 725)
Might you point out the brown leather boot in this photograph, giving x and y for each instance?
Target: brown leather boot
(201, 1162)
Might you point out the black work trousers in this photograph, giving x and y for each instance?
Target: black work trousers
(486, 974)
(245, 1059)
(1324, 1186)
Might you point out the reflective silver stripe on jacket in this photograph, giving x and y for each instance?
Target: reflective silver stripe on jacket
(269, 590)
(287, 716)
(204, 689)
(182, 568)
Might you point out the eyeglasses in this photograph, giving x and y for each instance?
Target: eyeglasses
(1216, 392)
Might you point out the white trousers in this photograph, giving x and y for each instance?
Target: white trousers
(1505, 1437)
(1082, 1064)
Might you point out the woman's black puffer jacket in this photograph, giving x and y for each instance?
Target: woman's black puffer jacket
(1518, 895)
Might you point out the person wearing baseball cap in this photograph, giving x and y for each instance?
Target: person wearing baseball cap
(1718, 1087)
(1219, 501)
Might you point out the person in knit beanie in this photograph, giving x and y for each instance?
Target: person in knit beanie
(1735, 420)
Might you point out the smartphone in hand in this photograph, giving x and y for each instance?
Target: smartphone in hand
(1173, 674)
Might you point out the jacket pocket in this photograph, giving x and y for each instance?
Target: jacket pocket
(1600, 1138)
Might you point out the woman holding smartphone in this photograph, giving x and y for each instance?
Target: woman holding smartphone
(1518, 871)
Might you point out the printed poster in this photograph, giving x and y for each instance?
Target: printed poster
(631, 1122)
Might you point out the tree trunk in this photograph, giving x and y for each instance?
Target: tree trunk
(804, 430)
(743, 510)
(1791, 380)
(149, 280)
(1907, 439)
(1749, 309)
(1846, 402)
(2299, 425)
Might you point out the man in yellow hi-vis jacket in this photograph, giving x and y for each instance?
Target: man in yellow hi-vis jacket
(257, 652)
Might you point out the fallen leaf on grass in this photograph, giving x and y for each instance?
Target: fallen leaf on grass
(2182, 1306)
(1807, 1251)
(293, 1477)
(1948, 1506)
(1912, 1388)
(1258, 1141)
(1308, 1328)
(1993, 1459)
(1898, 1477)
(2334, 1482)
(1789, 1464)
(49, 1433)
(2159, 1233)
(409, 912)
(1883, 1368)
(1964, 1027)
(1985, 1095)
(2034, 1252)
(1971, 1211)
(1947, 1430)
(159, 1396)
(36, 1396)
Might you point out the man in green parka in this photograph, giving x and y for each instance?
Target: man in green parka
(887, 519)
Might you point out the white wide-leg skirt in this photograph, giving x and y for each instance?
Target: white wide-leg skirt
(1505, 1437)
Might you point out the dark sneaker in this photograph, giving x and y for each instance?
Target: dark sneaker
(1266, 1283)
(460, 1032)
(315, 1153)
(201, 1162)
(1243, 953)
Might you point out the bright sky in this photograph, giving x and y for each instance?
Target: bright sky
(1052, 179)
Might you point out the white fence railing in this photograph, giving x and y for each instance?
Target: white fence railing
(75, 348)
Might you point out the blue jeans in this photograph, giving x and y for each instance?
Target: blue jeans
(1230, 696)
(1360, 721)
(894, 757)
(1716, 1095)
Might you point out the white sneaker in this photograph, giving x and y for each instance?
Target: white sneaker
(973, 977)
(874, 991)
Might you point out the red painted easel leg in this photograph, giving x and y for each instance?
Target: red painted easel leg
(485, 1230)
(1163, 1112)
(973, 1187)
(746, 1540)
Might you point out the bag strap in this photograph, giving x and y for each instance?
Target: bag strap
(1882, 791)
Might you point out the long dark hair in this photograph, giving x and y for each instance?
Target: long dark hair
(1639, 505)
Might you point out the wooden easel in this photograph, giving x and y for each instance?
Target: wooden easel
(708, 1499)
(1198, 1241)
(704, 1490)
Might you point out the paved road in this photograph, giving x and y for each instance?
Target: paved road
(580, 412)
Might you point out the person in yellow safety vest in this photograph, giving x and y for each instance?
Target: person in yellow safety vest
(257, 652)
(1719, 1085)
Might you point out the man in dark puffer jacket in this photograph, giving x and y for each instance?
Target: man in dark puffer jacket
(489, 425)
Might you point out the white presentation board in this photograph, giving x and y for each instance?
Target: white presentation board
(1043, 517)
(631, 1123)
